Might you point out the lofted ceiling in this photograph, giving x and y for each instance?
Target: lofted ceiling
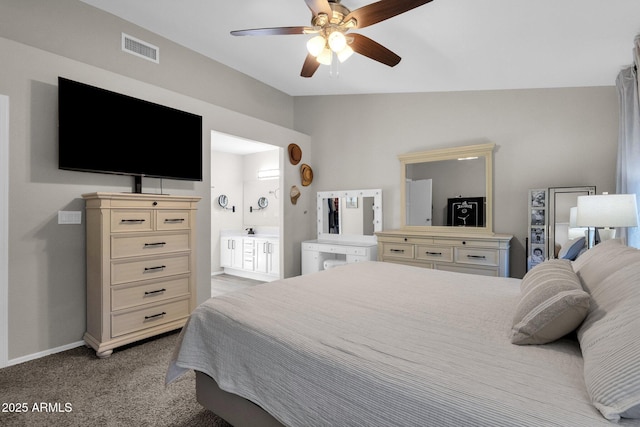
(445, 45)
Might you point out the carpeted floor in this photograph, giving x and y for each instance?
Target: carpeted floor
(74, 388)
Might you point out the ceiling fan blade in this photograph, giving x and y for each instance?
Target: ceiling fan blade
(310, 66)
(319, 6)
(273, 31)
(371, 49)
(381, 10)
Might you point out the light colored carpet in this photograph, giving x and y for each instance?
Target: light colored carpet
(126, 389)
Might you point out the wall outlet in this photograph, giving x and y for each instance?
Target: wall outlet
(69, 217)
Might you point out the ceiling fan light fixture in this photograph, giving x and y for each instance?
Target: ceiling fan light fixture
(345, 53)
(315, 45)
(325, 57)
(337, 41)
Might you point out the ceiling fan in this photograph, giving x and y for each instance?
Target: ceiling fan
(332, 21)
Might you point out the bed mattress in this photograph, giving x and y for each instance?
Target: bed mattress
(385, 344)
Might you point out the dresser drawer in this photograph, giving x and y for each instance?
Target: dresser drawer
(172, 220)
(147, 317)
(131, 220)
(150, 268)
(434, 253)
(477, 256)
(126, 296)
(148, 244)
(397, 250)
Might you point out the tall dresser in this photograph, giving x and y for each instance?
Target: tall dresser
(484, 254)
(140, 266)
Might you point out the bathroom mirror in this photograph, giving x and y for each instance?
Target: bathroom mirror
(349, 215)
(223, 200)
(448, 189)
(263, 202)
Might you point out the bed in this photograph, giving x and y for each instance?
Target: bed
(386, 344)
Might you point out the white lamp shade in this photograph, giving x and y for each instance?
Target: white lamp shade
(607, 210)
(325, 57)
(337, 41)
(345, 53)
(315, 45)
(573, 217)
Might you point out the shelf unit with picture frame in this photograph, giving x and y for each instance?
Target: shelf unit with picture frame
(537, 227)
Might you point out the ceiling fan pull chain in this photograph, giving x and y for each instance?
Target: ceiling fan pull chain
(334, 67)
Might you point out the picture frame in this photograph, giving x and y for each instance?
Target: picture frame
(466, 212)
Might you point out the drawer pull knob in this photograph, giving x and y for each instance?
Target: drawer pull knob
(132, 221)
(434, 253)
(160, 267)
(150, 245)
(153, 316)
(477, 256)
(399, 251)
(174, 220)
(155, 292)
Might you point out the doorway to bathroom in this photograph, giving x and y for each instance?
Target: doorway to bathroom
(245, 212)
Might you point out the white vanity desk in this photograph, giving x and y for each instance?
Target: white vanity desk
(347, 221)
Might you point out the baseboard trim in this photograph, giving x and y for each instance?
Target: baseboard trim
(22, 359)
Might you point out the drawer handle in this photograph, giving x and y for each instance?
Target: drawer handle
(153, 316)
(477, 256)
(160, 267)
(434, 253)
(150, 245)
(174, 220)
(399, 251)
(155, 292)
(132, 221)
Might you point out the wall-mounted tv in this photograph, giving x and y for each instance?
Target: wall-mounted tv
(107, 132)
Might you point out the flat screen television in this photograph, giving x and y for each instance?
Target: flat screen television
(107, 132)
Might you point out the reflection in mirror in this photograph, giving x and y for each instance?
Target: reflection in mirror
(350, 215)
(447, 188)
(446, 193)
(561, 227)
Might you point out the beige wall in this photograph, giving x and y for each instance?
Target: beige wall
(544, 138)
(46, 260)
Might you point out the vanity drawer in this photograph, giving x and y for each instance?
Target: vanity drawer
(148, 244)
(477, 256)
(131, 220)
(127, 296)
(150, 268)
(397, 250)
(357, 251)
(173, 219)
(147, 317)
(434, 253)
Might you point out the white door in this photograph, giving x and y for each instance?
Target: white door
(419, 203)
(4, 230)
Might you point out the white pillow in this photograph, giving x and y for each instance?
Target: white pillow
(552, 304)
(610, 342)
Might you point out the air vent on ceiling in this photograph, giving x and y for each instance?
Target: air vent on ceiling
(140, 48)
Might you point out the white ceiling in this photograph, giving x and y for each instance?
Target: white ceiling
(445, 45)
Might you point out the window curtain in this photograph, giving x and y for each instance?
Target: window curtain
(628, 167)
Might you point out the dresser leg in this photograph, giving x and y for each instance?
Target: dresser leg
(104, 354)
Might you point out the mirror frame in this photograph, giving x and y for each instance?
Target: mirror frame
(478, 150)
(359, 238)
(580, 190)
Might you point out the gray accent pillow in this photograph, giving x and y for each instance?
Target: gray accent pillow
(551, 305)
(571, 249)
(610, 335)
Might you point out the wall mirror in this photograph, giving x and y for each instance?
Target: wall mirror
(562, 227)
(448, 189)
(349, 215)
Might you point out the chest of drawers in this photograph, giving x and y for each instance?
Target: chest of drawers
(140, 266)
(465, 253)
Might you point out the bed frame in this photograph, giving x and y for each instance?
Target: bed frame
(234, 409)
